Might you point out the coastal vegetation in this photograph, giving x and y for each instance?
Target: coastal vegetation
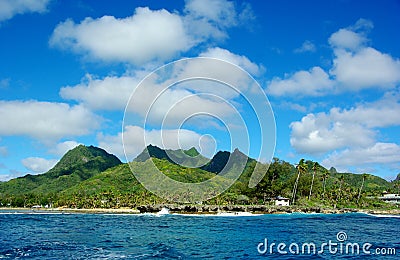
(89, 177)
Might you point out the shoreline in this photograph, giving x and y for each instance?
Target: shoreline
(208, 210)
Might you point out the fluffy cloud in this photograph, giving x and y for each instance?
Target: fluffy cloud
(11, 174)
(352, 37)
(109, 93)
(355, 67)
(315, 82)
(38, 165)
(149, 35)
(347, 39)
(167, 91)
(145, 36)
(61, 148)
(378, 114)
(44, 120)
(366, 68)
(378, 153)
(10, 8)
(307, 46)
(290, 106)
(239, 60)
(221, 71)
(112, 93)
(136, 139)
(320, 133)
(341, 128)
(175, 105)
(190, 87)
(221, 12)
(210, 18)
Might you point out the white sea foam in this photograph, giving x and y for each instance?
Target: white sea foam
(383, 215)
(220, 214)
(236, 214)
(163, 211)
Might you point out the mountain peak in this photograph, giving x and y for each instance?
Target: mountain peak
(218, 162)
(152, 151)
(192, 152)
(83, 154)
(189, 158)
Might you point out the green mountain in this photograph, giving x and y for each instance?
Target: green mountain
(223, 161)
(88, 177)
(77, 165)
(218, 162)
(189, 158)
(84, 156)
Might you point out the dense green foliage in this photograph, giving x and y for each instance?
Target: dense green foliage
(189, 158)
(89, 177)
(77, 165)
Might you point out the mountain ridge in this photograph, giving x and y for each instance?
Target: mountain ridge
(87, 176)
(79, 163)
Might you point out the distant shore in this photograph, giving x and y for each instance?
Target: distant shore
(210, 209)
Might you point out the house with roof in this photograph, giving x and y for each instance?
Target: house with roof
(390, 198)
(281, 201)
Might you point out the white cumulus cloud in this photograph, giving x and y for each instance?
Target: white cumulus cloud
(210, 18)
(307, 46)
(145, 36)
(347, 39)
(61, 148)
(135, 139)
(319, 133)
(109, 93)
(341, 128)
(10, 8)
(352, 37)
(365, 68)
(150, 35)
(315, 82)
(239, 60)
(356, 66)
(45, 121)
(38, 165)
(378, 153)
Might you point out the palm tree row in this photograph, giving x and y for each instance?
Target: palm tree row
(302, 168)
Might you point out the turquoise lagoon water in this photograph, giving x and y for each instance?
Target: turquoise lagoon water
(27, 235)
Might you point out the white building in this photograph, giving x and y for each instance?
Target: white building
(390, 198)
(281, 201)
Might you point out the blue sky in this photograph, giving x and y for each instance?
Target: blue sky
(330, 70)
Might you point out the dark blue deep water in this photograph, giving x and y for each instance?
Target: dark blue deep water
(99, 236)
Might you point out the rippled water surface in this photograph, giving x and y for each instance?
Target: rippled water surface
(100, 236)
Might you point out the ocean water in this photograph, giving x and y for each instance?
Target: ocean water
(146, 236)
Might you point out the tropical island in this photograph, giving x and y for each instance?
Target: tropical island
(88, 179)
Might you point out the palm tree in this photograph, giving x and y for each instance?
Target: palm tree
(314, 167)
(341, 178)
(325, 176)
(364, 177)
(301, 168)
